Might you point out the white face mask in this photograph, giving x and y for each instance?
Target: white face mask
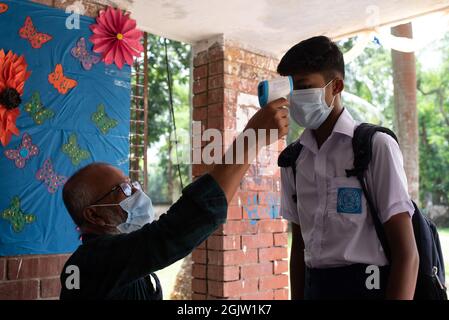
(308, 107)
(140, 212)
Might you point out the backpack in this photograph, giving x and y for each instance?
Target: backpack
(430, 283)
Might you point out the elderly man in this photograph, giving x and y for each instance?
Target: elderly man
(122, 247)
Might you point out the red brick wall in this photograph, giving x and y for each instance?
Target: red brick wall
(245, 258)
(31, 277)
(91, 7)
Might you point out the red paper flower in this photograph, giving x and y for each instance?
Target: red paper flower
(116, 37)
(13, 75)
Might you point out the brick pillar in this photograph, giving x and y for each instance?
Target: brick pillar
(404, 80)
(31, 277)
(245, 258)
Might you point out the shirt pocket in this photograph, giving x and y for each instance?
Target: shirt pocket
(346, 199)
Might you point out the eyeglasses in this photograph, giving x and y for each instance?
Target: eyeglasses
(126, 187)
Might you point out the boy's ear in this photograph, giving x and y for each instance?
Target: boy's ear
(338, 86)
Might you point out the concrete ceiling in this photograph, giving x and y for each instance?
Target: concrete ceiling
(271, 26)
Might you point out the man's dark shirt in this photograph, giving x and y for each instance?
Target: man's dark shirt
(118, 266)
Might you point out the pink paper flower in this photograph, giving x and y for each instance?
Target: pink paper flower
(116, 37)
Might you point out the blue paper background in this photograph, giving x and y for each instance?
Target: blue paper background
(54, 231)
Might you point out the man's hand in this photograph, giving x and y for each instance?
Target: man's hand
(273, 116)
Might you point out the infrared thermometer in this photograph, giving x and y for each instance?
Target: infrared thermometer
(270, 90)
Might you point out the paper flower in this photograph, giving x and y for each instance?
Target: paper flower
(116, 37)
(3, 7)
(13, 75)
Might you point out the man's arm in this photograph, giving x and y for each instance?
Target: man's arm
(193, 218)
(404, 256)
(272, 116)
(297, 265)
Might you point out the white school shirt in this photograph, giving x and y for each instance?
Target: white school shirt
(331, 209)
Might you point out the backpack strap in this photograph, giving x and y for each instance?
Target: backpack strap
(288, 157)
(362, 144)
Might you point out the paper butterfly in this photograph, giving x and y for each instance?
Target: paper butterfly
(74, 151)
(37, 110)
(101, 119)
(86, 58)
(24, 152)
(3, 7)
(29, 32)
(16, 216)
(50, 178)
(59, 81)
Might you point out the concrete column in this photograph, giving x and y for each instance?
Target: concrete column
(404, 80)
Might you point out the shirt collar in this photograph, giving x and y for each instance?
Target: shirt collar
(345, 125)
(308, 140)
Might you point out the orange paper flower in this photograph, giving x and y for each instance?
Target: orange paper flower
(13, 75)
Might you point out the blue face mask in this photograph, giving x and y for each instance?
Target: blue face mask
(140, 212)
(308, 107)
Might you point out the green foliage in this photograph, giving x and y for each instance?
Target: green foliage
(158, 101)
(369, 76)
(433, 92)
(160, 124)
(170, 156)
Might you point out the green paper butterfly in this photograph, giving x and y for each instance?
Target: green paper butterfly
(101, 119)
(37, 110)
(75, 153)
(16, 216)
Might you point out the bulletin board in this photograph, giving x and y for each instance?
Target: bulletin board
(73, 112)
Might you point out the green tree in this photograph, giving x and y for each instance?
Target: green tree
(433, 92)
(179, 63)
(369, 76)
(163, 179)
